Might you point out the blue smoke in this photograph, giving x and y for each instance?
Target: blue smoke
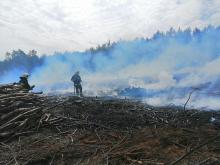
(12, 76)
(162, 69)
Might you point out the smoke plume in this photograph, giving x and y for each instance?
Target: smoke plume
(161, 70)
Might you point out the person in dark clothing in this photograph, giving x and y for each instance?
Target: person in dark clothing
(76, 79)
(24, 82)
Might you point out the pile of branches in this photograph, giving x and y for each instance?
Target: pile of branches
(20, 111)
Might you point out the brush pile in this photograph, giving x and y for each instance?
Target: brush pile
(20, 111)
(71, 130)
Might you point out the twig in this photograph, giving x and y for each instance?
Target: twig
(49, 108)
(9, 162)
(41, 140)
(52, 159)
(98, 135)
(196, 148)
(204, 161)
(107, 160)
(21, 115)
(106, 154)
(13, 153)
(189, 97)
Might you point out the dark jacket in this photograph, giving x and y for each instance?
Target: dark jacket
(24, 82)
(76, 79)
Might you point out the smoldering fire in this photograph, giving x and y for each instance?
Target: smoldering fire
(161, 70)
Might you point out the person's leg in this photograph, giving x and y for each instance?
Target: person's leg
(80, 90)
(77, 90)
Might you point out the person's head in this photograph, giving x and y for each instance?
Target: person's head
(25, 75)
(77, 72)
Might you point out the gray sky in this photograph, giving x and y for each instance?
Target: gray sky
(59, 25)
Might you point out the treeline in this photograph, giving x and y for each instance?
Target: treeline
(18, 59)
(180, 35)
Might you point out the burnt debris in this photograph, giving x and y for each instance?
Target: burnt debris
(40, 129)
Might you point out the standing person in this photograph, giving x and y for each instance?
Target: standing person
(76, 79)
(24, 82)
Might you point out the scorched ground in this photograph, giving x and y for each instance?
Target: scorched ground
(62, 130)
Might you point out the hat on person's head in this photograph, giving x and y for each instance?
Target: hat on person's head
(25, 75)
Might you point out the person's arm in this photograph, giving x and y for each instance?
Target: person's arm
(20, 81)
(73, 78)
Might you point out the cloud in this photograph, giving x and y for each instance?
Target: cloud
(55, 25)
